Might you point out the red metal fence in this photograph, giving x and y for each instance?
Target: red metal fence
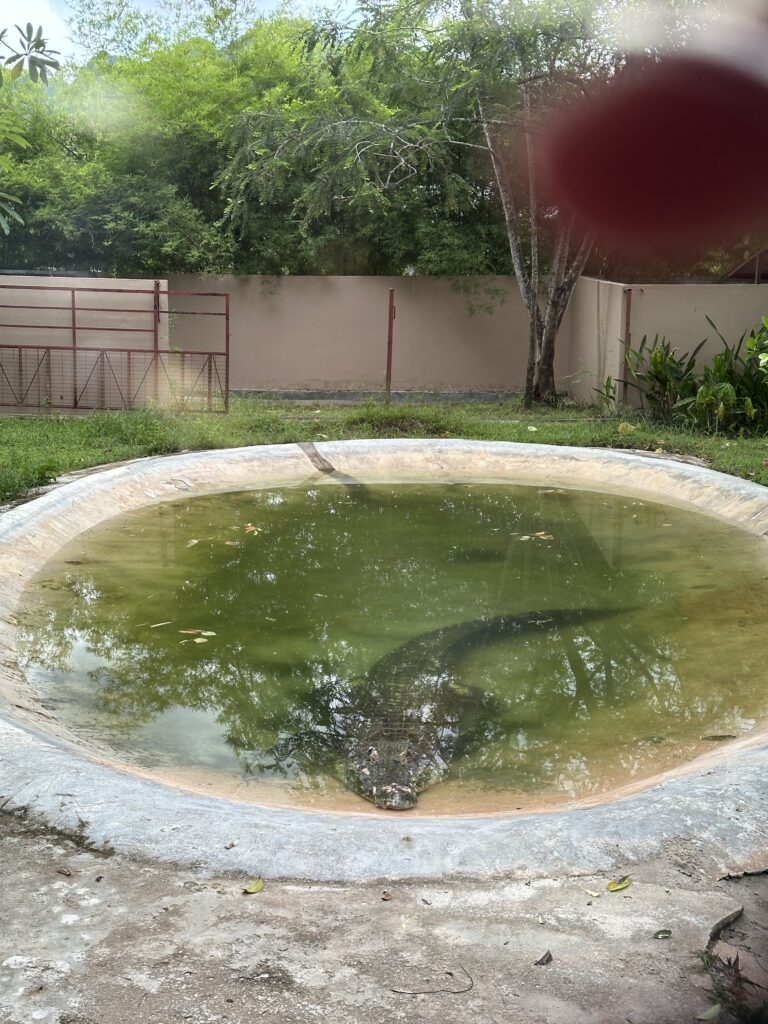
(67, 374)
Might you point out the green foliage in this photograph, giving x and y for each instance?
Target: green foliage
(663, 378)
(729, 394)
(26, 442)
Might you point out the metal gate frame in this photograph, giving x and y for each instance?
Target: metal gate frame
(189, 378)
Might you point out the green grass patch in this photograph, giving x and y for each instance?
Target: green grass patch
(35, 449)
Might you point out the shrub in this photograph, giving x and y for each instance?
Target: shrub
(728, 394)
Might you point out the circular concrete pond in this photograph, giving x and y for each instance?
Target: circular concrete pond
(717, 799)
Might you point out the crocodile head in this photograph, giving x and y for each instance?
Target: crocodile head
(390, 773)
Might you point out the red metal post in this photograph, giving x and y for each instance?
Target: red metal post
(74, 347)
(156, 339)
(626, 342)
(129, 374)
(226, 352)
(390, 338)
(210, 383)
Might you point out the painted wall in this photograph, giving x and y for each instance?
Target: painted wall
(50, 321)
(330, 333)
(591, 337)
(680, 311)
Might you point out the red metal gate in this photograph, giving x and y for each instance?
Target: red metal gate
(68, 374)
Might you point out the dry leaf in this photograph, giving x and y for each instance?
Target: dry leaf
(546, 959)
(231, 543)
(198, 640)
(207, 632)
(623, 883)
(386, 895)
(591, 892)
(711, 1013)
(64, 871)
(662, 933)
(541, 919)
(156, 624)
(191, 543)
(255, 886)
(231, 845)
(191, 631)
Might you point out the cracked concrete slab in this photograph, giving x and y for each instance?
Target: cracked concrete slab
(89, 939)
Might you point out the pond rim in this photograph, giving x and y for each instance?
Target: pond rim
(720, 800)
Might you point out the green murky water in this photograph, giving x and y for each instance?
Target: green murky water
(220, 642)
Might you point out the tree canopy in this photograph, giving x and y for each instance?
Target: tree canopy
(204, 138)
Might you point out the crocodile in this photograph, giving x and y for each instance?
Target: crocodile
(400, 732)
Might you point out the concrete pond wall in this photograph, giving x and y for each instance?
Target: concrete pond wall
(60, 778)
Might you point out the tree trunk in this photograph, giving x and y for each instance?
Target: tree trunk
(540, 383)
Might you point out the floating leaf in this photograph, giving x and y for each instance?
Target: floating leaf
(156, 624)
(191, 631)
(207, 632)
(250, 528)
(255, 886)
(191, 543)
(231, 543)
(591, 892)
(546, 959)
(663, 933)
(623, 883)
(198, 640)
(711, 1014)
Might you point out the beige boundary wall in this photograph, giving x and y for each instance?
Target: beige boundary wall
(48, 325)
(605, 316)
(330, 333)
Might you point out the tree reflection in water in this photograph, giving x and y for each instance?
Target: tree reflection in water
(306, 593)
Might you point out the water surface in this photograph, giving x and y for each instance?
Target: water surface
(216, 641)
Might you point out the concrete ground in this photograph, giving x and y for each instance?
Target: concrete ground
(92, 939)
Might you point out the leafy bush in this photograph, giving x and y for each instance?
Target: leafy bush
(728, 394)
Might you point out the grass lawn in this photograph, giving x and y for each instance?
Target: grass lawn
(35, 449)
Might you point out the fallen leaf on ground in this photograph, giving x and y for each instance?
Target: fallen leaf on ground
(541, 919)
(231, 845)
(710, 1014)
(662, 933)
(386, 895)
(590, 892)
(546, 959)
(622, 883)
(64, 871)
(255, 886)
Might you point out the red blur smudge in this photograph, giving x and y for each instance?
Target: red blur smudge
(665, 159)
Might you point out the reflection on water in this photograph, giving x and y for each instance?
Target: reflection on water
(266, 635)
